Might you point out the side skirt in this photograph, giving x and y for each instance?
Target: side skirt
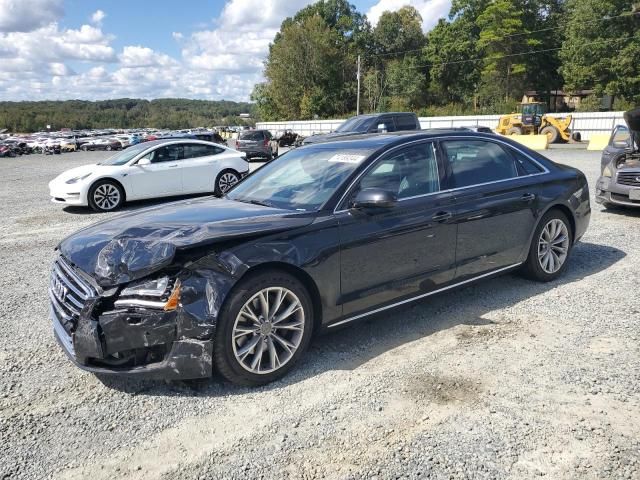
(413, 299)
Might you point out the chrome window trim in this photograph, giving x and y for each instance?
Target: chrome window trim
(544, 171)
(412, 299)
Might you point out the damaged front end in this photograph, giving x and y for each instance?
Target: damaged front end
(156, 327)
(619, 183)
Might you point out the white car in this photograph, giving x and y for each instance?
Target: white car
(160, 168)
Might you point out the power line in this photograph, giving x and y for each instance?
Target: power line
(627, 14)
(500, 57)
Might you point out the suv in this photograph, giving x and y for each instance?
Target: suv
(619, 183)
(257, 143)
(372, 123)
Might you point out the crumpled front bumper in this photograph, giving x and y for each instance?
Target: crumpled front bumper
(609, 191)
(88, 346)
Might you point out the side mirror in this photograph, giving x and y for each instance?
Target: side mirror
(374, 198)
(143, 161)
(382, 128)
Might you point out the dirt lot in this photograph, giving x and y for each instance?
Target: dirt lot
(503, 379)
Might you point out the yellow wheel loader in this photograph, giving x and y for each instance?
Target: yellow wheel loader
(533, 120)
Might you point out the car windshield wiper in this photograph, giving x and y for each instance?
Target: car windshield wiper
(253, 202)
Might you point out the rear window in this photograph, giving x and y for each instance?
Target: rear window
(405, 122)
(252, 135)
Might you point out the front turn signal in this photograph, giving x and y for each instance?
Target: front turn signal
(174, 298)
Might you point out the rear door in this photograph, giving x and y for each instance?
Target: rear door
(200, 167)
(163, 176)
(496, 195)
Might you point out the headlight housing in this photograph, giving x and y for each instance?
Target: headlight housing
(161, 293)
(607, 172)
(77, 179)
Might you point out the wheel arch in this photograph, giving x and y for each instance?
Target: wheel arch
(300, 275)
(111, 179)
(567, 212)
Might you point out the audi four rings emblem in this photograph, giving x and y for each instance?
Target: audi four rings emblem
(59, 289)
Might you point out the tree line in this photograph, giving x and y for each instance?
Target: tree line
(121, 113)
(482, 58)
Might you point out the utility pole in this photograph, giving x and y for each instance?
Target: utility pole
(358, 101)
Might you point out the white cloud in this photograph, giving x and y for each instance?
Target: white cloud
(97, 17)
(430, 10)
(223, 59)
(28, 15)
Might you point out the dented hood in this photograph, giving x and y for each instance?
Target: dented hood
(133, 245)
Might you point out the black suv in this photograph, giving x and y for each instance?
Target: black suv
(372, 123)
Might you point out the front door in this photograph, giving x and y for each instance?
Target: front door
(404, 250)
(496, 198)
(162, 176)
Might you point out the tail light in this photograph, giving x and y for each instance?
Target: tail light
(266, 142)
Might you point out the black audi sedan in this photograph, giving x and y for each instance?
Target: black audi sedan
(320, 237)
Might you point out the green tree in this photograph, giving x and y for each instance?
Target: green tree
(451, 54)
(304, 63)
(601, 52)
(502, 40)
(399, 32)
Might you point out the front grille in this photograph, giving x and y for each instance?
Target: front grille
(631, 179)
(68, 294)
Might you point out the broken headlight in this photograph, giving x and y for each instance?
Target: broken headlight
(163, 292)
(607, 172)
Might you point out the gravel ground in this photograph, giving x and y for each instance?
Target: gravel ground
(503, 379)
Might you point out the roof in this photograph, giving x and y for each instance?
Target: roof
(374, 141)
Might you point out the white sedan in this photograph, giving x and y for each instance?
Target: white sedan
(160, 168)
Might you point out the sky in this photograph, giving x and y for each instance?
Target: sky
(202, 49)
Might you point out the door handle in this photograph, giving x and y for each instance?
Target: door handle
(442, 216)
(528, 197)
(173, 166)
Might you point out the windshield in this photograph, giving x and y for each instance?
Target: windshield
(302, 179)
(355, 124)
(125, 155)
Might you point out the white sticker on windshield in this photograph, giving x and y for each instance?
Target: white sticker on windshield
(346, 158)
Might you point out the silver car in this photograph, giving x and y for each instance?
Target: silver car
(257, 143)
(619, 183)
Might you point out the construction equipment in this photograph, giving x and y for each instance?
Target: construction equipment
(533, 120)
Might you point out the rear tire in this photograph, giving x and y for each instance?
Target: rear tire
(225, 180)
(551, 132)
(550, 248)
(514, 131)
(268, 358)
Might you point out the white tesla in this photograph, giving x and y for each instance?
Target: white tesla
(160, 168)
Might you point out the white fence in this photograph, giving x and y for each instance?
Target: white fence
(587, 123)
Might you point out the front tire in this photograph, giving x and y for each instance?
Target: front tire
(263, 329)
(225, 180)
(550, 248)
(106, 196)
(551, 132)
(514, 131)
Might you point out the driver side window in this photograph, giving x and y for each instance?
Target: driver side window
(407, 173)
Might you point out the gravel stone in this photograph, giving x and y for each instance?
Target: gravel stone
(505, 379)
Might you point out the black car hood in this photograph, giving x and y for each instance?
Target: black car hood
(327, 137)
(133, 245)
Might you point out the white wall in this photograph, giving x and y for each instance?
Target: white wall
(587, 123)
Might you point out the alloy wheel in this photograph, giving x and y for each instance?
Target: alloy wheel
(268, 330)
(553, 246)
(227, 180)
(106, 196)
